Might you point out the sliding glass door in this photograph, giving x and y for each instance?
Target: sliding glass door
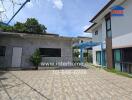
(117, 59)
(98, 57)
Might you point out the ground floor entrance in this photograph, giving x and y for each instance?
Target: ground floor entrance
(122, 59)
(16, 56)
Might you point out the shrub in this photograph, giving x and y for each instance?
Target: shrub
(36, 58)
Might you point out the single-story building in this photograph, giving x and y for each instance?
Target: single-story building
(17, 48)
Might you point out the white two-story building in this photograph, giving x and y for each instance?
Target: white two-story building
(115, 32)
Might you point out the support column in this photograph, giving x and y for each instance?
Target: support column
(102, 54)
(109, 53)
(87, 55)
(81, 55)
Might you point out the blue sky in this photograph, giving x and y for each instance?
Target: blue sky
(63, 17)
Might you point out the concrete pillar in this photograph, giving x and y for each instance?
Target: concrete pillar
(109, 53)
(81, 55)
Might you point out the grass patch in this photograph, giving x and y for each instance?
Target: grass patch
(118, 72)
(96, 66)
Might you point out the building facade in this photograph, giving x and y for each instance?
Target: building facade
(114, 32)
(17, 48)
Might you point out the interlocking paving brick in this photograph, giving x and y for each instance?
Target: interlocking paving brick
(72, 84)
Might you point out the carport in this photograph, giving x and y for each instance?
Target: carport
(89, 45)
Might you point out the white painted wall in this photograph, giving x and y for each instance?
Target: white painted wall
(123, 25)
(121, 30)
(123, 41)
(103, 30)
(97, 38)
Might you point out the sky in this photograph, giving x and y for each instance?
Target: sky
(63, 17)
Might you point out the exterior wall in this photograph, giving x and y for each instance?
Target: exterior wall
(79, 39)
(121, 30)
(122, 41)
(84, 39)
(29, 45)
(122, 25)
(97, 38)
(103, 31)
(119, 25)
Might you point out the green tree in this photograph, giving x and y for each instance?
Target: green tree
(30, 26)
(6, 28)
(33, 26)
(19, 27)
(36, 58)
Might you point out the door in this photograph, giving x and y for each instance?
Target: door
(16, 57)
(98, 57)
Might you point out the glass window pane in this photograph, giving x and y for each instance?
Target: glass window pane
(50, 52)
(109, 33)
(2, 50)
(117, 56)
(98, 59)
(108, 24)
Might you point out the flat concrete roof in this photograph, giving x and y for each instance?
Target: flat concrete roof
(47, 35)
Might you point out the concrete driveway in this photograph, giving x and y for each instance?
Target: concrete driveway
(78, 84)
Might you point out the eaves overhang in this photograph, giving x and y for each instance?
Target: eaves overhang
(102, 13)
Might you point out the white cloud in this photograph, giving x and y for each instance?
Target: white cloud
(1, 8)
(30, 4)
(58, 4)
(86, 34)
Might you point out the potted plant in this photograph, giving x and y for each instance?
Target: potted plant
(36, 58)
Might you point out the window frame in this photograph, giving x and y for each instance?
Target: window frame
(108, 18)
(98, 53)
(96, 32)
(53, 54)
(2, 54)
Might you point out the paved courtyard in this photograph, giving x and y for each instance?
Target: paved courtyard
(78, 84)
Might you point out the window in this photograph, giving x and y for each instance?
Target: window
(81, 41)
(109, 34)
(96, 32)
(2, 50)
(108, 26)
(117, 55)
(104, 58)
(50, 52)
(98, 57)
